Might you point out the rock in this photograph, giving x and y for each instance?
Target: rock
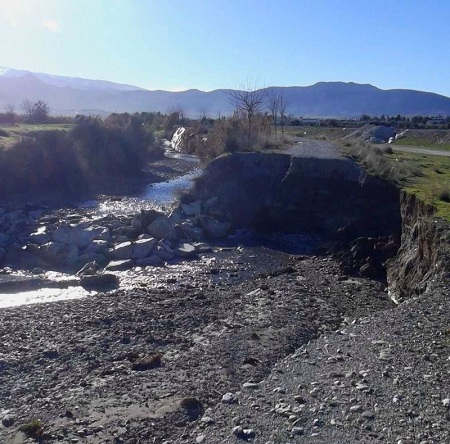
(192, 407)
(298, 431)
(185, 250)
(250, 385)
(63, 234)
(147, 363)
(59, 253)
(99, 281)
(446, 402)
(84, 236)
(192, 209)
(40, 237)
(229, 398)
(151, 261)
(24, 259)
(162, 253)
(368, 414)
(148, 216)
(162, 228)
(142, 248)
(97, 246)
(123, 250)
(8, 420)
(121, 265)
(175, 216)
(213, 228)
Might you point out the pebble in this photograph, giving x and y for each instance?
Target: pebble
(298, 431)
(229, 398)
(8, 420)
(250, 385)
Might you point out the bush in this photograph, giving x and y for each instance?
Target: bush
(95, 150)
(33, 429)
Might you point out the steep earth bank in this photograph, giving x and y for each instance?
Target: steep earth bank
(425, 249)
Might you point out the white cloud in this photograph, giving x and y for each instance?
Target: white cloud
(51, 24)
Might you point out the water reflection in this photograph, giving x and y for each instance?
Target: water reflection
(43, 295)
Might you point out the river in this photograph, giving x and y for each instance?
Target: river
(237, 258)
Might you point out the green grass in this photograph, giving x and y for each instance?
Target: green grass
(423, 143)
(14, 133)
(433, 186)
(33, 429)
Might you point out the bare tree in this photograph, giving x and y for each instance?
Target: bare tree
(273, 102)
(35, 112)
(40, 111)
(10, 109)
(248, 101)
(27, 107)
(282, 107)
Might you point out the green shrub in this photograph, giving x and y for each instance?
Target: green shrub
(33, 429)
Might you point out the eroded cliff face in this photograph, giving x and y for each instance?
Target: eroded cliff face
(278, 192)
(424, 254)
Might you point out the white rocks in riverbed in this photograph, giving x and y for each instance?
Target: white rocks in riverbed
(185, 250)
(120, 265)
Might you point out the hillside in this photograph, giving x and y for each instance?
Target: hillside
(67, 95)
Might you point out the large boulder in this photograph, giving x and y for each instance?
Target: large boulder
(97, 246)
(214, 228)
(24, 259)
(192, 209)
(162, 228)
(147, 217)
(83, 236)
(63, 234)
(103, 282)
(120, 265)
(185, 250)
(123, 250)
(163, 253)
(142, 248)
(59, 253)
(40, 237)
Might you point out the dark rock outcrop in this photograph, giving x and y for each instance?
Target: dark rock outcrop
(271, 192)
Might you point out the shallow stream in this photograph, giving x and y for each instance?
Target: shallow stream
(239, 257)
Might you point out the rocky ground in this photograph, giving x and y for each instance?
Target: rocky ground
(242, 343)
(299, 353)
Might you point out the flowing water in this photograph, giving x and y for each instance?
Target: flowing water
(240, 256)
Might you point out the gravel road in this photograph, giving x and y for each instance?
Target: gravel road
(303, 147)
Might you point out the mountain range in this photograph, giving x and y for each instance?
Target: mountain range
(72, 95)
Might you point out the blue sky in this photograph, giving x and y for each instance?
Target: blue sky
(210, 44)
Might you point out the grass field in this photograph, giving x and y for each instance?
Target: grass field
(423, 143)
(11, 134)
(433, 184)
